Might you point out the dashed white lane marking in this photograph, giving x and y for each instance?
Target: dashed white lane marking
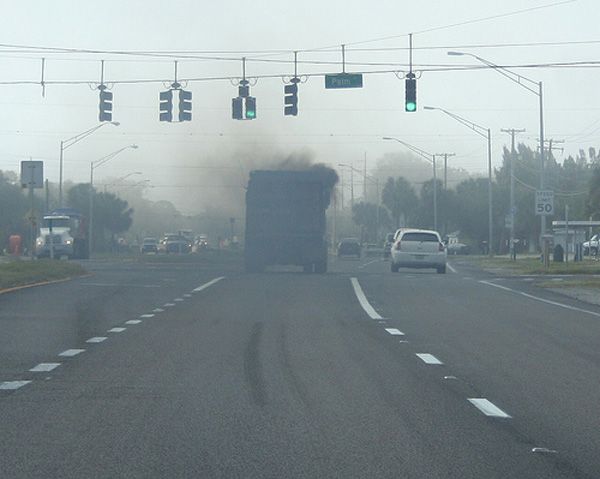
(44, 367)
(146, 316)
(428, 358)
(12, 385)
(394, 332)
(116, 330)
(187, 295)
(542, 300)
(450, 267)
(96, 339)
(362, 299)
(158, 310)
(168, 305)
(544, 450)
(178, 300)
(133, 321)
(364, 265)
(69, 353)
(207, 285)
(488, 408)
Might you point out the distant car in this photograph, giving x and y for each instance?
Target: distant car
(149, 245)
(387, 247)
(591, 246)
(372, 250)
(349, 247)
(454, 247)
(172, 243)
(415, 248)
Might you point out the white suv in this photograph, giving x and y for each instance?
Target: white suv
(414, 248)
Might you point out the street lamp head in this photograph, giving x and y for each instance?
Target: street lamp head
(116, 123)
(135, 147)
(430, 108)
(455, 54)
(386, 138)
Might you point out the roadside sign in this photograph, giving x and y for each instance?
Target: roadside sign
(544, 202)
(344, 80)
(32, 174)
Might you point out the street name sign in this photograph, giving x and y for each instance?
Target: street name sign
(544, 202)
(344, 80)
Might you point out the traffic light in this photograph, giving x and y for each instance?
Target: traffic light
(291, 99)
(250, 108)
(106, 98)
(166, 105)
(237, 108)
(185, 105)
(410, 99)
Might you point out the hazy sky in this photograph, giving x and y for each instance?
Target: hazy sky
(334, 125)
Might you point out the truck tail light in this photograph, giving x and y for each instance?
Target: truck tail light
(441, 247)
(398, 246)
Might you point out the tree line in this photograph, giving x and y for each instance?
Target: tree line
(464, 208)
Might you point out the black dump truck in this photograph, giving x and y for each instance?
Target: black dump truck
(285, 218)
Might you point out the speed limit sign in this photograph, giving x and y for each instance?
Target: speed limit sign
(544, 202)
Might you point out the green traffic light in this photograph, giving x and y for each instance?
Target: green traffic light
(250, 114)
(410, 106)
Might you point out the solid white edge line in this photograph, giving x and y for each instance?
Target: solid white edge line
(207, 285)
(542, 300)
(428, 358)
(488, 408)
(362, 299)
(450, 267)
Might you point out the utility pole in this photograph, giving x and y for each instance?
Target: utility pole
(512, 132)
(445, 155)
(351, 188)
(551, 142)
(365, 179)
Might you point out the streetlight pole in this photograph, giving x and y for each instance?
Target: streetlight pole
(533, 87)
(487, 134)
(64, 144)
(431, 159)
(93, 165)
(122, 178)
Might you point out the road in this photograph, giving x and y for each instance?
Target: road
(204, 371)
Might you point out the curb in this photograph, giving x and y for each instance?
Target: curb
(43, 283)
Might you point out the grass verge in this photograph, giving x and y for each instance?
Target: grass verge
(588, 283)
(533, 265)
(21, 273)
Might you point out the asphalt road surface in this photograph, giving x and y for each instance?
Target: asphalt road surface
(182, 370)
